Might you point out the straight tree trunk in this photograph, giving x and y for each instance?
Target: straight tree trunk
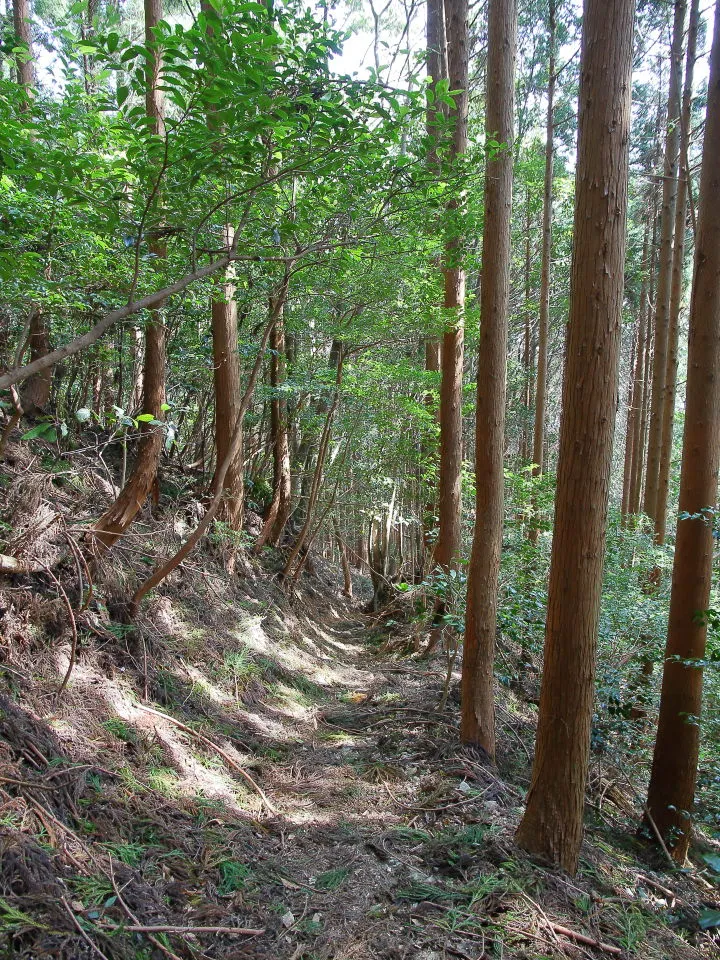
(226, 377)
(545, 268)
(636, 497)
(633, 451)
(527, 353)
(553, 822)
(347, 577)
(676, 285)
(299, 547)
(662, 296)
(477, 724)
(437, 71)
(448, 544)
(546, 257)
(629, 432)
(143, 479)
(281, 504)
(674, 770)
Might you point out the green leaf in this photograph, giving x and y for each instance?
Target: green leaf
(43, 431)
(145, 417)
(122, 94)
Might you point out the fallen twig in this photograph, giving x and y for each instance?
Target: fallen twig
(659, 836)
(76, 923)
(219, 750)
(660, 888)
(583, 938)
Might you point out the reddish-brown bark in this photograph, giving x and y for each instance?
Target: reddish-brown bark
(553, 821)
(674, 770)
(281, 504)
(477, 687)
(143, 479)
(662, 296)
(676, 283)
(448, 543)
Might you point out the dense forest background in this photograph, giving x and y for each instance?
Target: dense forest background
(359, 311)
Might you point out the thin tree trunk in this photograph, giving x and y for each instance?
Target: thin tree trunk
(633, 451)
(437, 71)
(448, 544)
(319, 466)
(477, 724)
(143, 479)
(546, 257)
(553, 822)
(662, 297)
(674, 770)
(676, 285)
(279, 511)
(347, 577)
(545, 269)
(639, 464)
(226, 376)
(524, 445)
(629, 432)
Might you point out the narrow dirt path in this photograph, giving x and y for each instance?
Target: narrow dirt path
(396, 843)
(379, 804)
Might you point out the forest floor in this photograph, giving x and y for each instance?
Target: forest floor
(365, 831)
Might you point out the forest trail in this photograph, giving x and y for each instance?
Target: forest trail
(387, 840)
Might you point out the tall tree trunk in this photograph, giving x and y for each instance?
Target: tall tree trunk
(546, 258)
(662, 296)
(636, 497)
(279, 511)
(477, 724)
(432, 365)
(143, 479)
(676, 285)
(674, 770)
(552, 824)
(437, 71)
(226, 375)
(545, 266)
(448, 544)
(629, 432)
(527, 394)
(633, 434)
